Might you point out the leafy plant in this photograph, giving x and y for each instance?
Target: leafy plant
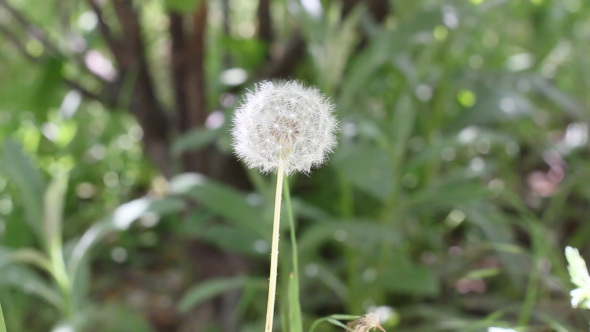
(24, 267)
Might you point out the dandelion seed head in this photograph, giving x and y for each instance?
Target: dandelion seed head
(366, 323)
(286, 123)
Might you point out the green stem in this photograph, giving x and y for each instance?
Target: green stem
(294, 303)
(2, 324)
(60, 275)
(287, 195)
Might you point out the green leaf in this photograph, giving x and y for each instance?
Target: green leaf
(22, 171)
(167, 205)
(383, 49)
(496, 230)
(446, 195)
(408, 278)
(366, 167)
(223, 201)
(30, 283)
(47, 90)
(212, 288)
(493, 105)
(31, 256)
(229, 238)
(364, 235)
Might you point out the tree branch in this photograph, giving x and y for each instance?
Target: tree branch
(178, 69)
(105, 30)
(194, 85)
(38, 34)
(30, 28)
(265, 31)
(39, 60)
(144, 103)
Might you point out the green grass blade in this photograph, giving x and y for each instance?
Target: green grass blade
(295, 321)
(2, 324)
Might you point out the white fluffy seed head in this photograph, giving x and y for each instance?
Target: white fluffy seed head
(286, 123)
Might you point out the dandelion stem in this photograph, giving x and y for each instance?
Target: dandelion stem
(274, 251)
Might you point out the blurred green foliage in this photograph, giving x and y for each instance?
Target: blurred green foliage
(460, 177)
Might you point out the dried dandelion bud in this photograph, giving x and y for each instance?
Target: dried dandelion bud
(284, 123)
(366, 323)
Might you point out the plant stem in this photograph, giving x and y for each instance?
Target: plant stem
(291, 219)
(274, 252)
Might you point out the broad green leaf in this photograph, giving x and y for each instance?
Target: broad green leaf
(331, 43)
(366, 167)
(94, 234)
(21, 170)
(167, 205)
(29, 282)
(446, 195)
(405, 277)
(46, 92)
(496, 230)
(383, 48)
(212, 288)
(224, 201)
(229, 238)
(558, 97)
(120, 220)
(493, 105)
(362, 235)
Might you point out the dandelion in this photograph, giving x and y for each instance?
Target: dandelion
(284, 123)
(283, 127)
(366, 323)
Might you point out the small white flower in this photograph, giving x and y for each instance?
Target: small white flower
(500, 329)
(580, 277)
(284, 123)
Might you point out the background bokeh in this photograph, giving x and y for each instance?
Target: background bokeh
(461, 174)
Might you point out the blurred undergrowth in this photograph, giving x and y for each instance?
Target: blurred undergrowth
(461, 175)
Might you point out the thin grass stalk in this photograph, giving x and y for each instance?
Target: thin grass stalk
(294, 303)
